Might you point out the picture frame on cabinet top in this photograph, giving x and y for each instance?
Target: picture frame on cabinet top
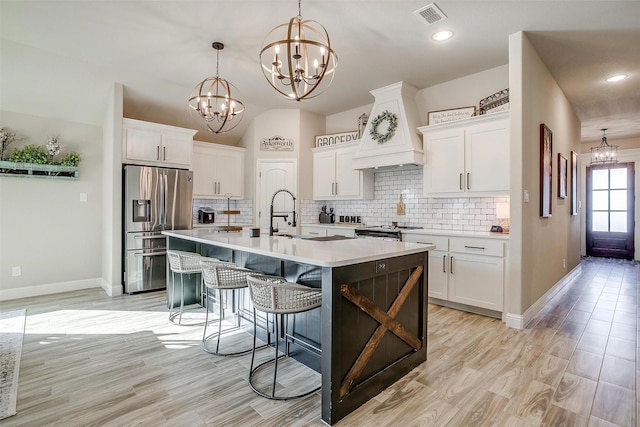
(546, 171)
(451, 115)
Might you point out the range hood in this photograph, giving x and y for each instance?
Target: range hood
(404, 148)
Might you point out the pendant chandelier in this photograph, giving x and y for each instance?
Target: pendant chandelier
(214, 101)
(604, 153)
(297, 59)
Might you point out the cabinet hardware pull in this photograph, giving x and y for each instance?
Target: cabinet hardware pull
(474, 247)
(425, 243)
(157, 152)
(468, 186)
(444, 263)
(461, 182)
(164, 153)
(336, 188)
(451, 265)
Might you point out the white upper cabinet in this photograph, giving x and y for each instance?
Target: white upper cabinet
(334, 176)
(467, 157)
(218, 170)
(153, 144)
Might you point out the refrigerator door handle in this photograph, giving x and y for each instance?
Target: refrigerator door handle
(148, 254)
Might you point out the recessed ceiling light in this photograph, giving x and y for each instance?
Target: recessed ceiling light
(442, 35)
(617, 78)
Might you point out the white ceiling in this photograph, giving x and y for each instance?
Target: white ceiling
(160, 49)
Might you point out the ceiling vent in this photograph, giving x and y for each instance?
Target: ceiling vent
(430, 14)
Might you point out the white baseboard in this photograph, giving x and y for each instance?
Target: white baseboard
(111, 290)
(518, 321)
(50, 288)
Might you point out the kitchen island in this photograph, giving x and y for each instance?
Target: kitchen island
(372, 325)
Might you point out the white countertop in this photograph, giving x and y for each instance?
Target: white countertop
(336, 253)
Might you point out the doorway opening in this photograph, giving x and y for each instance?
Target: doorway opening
(610, 211)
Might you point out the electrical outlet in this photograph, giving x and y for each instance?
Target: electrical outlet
(526, 196)
(381, 266)
(16, 271)
(83, 197)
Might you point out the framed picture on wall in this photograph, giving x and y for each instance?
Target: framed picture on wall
(574, 183)
(563, 165)
(546, 169)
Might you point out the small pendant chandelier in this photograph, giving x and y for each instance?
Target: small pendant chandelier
(214, 101)
(297, 59)
(604, 153)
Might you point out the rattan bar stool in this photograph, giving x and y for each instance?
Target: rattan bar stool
(221, 276)
(274, 295)
(181, 262)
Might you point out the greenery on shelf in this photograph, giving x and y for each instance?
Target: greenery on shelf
(35, 154)
(30, 154)
(71, 159)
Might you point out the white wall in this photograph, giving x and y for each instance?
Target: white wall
(44, 228)
(466, 91)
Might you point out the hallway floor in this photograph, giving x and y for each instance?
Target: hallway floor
(89, 359)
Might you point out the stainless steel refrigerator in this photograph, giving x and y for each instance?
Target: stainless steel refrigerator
(155, 199)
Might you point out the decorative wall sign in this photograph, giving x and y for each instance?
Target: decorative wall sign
(499, 101)
(276, 143)
(574, 183)
(336, 138)
(444, 116)
(563, 166)
(546, 160)
(392, 124)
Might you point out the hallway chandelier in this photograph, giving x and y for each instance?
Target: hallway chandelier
(297, 59)
(214, 101)
(604, 153)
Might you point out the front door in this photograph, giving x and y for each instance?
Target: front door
(610, 210)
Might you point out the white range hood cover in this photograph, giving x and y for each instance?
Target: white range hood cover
(405, 146)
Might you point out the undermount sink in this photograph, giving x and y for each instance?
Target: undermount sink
(329, 238)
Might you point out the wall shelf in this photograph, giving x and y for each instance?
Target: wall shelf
(32, 170)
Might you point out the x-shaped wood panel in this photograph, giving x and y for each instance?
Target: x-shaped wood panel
(387, 322)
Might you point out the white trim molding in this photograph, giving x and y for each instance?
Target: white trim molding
(110, 289)
(518, 321)
(50, 288)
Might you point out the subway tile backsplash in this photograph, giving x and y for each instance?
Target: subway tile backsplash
(459, 214)
(244, 206)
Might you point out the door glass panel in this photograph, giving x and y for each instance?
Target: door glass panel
(600, 221)
(618, 178)
(600, 201)
(618, 222)
(600, 179)
(619, 200)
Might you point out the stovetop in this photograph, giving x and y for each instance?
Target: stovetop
(391, 227)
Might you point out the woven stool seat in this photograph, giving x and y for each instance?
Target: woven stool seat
(276, 296)
(181, 262)
(221, 276)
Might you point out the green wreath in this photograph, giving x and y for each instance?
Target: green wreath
(391, 128)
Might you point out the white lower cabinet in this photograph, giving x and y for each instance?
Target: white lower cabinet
(465, 270)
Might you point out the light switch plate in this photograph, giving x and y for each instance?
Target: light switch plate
(526, 196)
(83, 197)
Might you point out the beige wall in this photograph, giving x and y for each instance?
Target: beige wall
(44, 227)
(538, 245)
(112, 194)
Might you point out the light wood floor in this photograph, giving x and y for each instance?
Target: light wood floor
(92, 360)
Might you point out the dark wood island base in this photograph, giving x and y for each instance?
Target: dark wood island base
(371, 327)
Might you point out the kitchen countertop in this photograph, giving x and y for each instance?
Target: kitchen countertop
(337, 253)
